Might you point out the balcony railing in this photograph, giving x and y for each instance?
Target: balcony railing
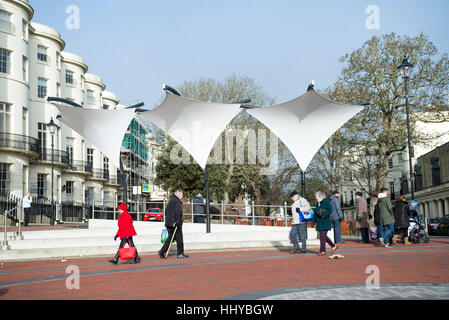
(59, 156)
(19, 142)
(81, 166)
(100, 174)
(115, 179)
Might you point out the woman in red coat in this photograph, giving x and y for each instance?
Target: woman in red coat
(125, 231)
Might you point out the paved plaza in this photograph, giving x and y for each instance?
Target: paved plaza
(405, 272)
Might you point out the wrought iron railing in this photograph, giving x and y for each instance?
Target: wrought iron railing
(59, 156)
(100, 174)
(80, 166)
(19, 142)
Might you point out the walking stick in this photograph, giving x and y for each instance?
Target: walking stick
(171, 241)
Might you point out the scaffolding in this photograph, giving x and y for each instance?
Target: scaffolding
(135, 156)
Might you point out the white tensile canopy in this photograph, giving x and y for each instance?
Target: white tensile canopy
(304, 124)
(195, 125)
(103, 128)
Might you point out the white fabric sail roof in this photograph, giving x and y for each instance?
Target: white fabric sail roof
(195, 125)
(105, 129)
(304, 124)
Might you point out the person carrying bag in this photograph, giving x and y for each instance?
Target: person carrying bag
(125, 232)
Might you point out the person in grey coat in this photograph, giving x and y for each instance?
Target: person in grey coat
(362, 216)
(198, 208)
(336, 216)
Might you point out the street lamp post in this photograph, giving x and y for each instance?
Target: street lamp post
(405, 69)
(52, 127)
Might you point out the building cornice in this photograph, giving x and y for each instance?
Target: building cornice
(72, 58)
(47, 32)
(24, 4)
(94, 79)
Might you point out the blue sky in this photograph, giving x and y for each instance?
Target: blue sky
(137, 45)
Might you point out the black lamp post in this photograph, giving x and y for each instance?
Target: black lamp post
(52, 127)
(405, 68)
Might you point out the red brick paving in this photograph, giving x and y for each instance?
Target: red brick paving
(426, 263)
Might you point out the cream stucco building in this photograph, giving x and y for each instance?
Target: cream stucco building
(34, 66)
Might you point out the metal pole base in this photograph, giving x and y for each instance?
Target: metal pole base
(18, 236)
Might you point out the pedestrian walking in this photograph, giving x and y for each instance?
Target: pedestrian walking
(386, 218)
(27, 201)
(125, 232)
(336, 217)
(198, 208)
(173, 222)
(322, 220)
(362, 216)
(299, 229)
(377, 221)
(402, 215)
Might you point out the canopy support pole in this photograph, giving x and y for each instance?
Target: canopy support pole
(124, 183)
(303, 183)
(206, 183)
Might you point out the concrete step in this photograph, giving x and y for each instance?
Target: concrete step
(73, 252)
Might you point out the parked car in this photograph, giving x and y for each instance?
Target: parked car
(432, 225)
(443, 227)
(154, 214)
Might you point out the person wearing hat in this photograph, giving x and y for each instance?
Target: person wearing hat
(125, 232)
(198, 208)
(299, 229)
(362, 217)
(336, 216)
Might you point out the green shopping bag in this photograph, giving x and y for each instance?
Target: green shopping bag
(164, 235)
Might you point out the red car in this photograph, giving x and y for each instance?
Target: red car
(154, 214)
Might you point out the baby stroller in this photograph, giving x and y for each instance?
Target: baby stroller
(417, 232)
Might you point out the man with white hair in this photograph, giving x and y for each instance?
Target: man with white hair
(173, 221)
(299, 229)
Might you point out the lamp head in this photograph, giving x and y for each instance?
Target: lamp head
(52, 126)
(405, 68)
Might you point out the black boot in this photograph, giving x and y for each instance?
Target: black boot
(115, 260)
(136, 260)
